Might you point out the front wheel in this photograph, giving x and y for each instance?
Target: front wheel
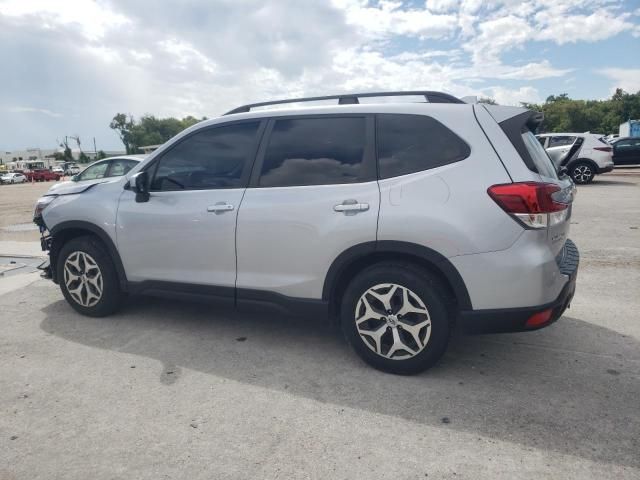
(582, 173)
(395, 316)
(88, 278)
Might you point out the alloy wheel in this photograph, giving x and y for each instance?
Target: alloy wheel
(393, 321)
(583, 173)
(83, 279)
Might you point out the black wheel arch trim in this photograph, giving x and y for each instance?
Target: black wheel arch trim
(342, 262)
(98, 232)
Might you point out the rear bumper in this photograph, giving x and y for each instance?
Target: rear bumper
(606, 169)
(516, 319)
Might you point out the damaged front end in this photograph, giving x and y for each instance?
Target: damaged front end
(46, 240)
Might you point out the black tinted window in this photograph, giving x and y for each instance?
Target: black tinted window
(314, 151)
(411, 143)
(212, 158)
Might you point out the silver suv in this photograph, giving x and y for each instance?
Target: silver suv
(399, 220)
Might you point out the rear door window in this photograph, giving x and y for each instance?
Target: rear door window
(315, 151)
(561, 141)
(413, 143)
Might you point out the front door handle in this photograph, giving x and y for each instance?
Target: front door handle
(351, 206)
(220, 207)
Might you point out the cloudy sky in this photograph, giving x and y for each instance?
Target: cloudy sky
(68, 66)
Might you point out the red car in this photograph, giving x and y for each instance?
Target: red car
(41, 175)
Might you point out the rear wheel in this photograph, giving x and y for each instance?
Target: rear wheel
(395, 317)
(582, 173)
(88, 278)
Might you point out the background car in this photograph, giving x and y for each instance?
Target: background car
(585, 155)
(102, 169)
(58, 170)
(72, 169)
(626, 151)
(41, 175)
(13, 178)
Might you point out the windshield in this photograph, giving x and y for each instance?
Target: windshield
(539, 156)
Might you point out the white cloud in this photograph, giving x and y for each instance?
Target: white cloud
(626, 78)
(440, 6)
(507, 96)
(91, 18)
(390, 18)
(42, 111)
(563, 29)
(93, 58)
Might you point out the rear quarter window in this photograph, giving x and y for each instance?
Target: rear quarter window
(413, 143)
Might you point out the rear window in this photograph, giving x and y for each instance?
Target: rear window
(413, 143)
(543, 163)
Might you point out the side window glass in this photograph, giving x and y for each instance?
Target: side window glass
(121, 167)
(561, 141)
(314, 151)
(94, 172)
(413, 143)
(541, 140)
(210, 158)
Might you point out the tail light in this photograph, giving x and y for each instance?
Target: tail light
(603, 149)
(535, 205)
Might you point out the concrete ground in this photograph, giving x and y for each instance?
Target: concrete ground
(181, 390)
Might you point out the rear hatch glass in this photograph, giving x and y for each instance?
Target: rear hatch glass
(541, 160)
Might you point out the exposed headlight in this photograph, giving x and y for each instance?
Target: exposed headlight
(42, 203)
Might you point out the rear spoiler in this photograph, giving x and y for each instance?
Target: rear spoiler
(515, 121)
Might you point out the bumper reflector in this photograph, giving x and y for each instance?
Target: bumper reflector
(540, 318)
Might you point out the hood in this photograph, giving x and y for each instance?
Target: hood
(69, 188)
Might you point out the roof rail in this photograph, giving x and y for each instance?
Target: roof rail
(352, 98)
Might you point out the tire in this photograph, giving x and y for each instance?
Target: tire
(83, 266)
(429, 312)
(582, 173)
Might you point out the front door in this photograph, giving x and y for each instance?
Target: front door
(313, 195)
(185, 232)
(627, 151)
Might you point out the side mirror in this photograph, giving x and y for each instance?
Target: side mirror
(139, 183)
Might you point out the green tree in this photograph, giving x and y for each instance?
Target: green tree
(123, 124)
(487, 100)
(148, 130)
(563, 114)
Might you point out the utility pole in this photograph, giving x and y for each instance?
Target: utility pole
(95, 150)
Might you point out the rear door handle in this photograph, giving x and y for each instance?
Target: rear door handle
(351, 206)
(220, 207)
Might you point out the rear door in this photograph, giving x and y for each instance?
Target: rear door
(559, 148)
(313, 194)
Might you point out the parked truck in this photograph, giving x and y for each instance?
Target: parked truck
(630, 128)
